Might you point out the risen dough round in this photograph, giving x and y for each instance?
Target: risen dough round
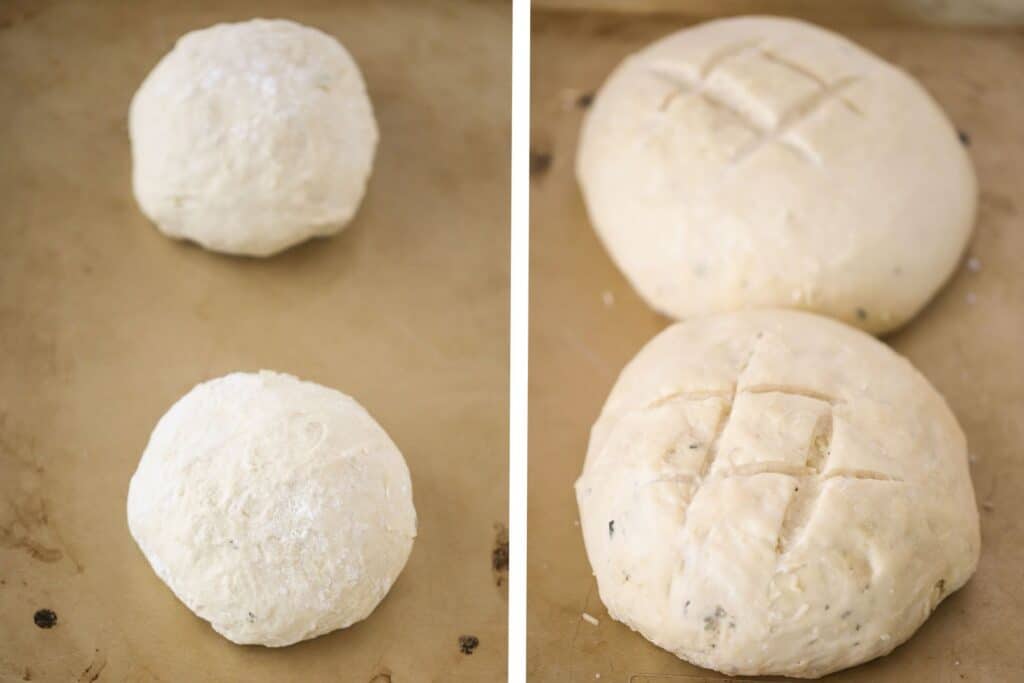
(249, 138)
(773, 492)
(275, 509)
(763, 162)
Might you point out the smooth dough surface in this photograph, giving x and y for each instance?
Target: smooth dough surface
(763, 162)
(774, 492)
(249, 138)
(276, 509)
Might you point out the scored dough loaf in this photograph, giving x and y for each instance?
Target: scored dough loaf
(276, 509)
(773, 492)
(249, 138)
(764, 162)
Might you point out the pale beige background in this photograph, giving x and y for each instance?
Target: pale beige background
(586, 323)
(104, 323)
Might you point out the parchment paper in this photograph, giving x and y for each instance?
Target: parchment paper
(586, 323)
(104, 323)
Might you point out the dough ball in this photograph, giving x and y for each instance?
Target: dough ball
(249, 138)
(762, 162)
(276, 509)
(773, 492)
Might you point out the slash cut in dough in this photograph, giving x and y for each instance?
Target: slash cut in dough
(760, 162)
(774, 492)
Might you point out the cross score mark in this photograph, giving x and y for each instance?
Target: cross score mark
(795, 114)
(799, 509)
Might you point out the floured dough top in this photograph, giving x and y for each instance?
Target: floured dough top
(248, 138)
(765, 162)
(772, 492)
(275, 509)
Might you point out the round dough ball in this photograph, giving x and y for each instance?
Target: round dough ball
(762, 162)
(773, 492)
(249, 138)
(276, 509)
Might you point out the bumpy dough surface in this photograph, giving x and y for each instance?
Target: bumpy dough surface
(249, 138)
(276, 509)
(762, 162)
(773, 492)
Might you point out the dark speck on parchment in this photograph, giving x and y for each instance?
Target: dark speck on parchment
(467, 644)
(45, 618)
(499, 555)
(540, 162)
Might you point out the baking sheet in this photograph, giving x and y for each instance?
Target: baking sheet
(586, 323)
(104, 323)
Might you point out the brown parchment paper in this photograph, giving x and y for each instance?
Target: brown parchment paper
(954, 12)
(586, 323)
(104, 323)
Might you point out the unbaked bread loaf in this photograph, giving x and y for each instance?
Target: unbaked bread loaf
(764, 162)
(249, 138)
(773, 492)
(276, 509)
